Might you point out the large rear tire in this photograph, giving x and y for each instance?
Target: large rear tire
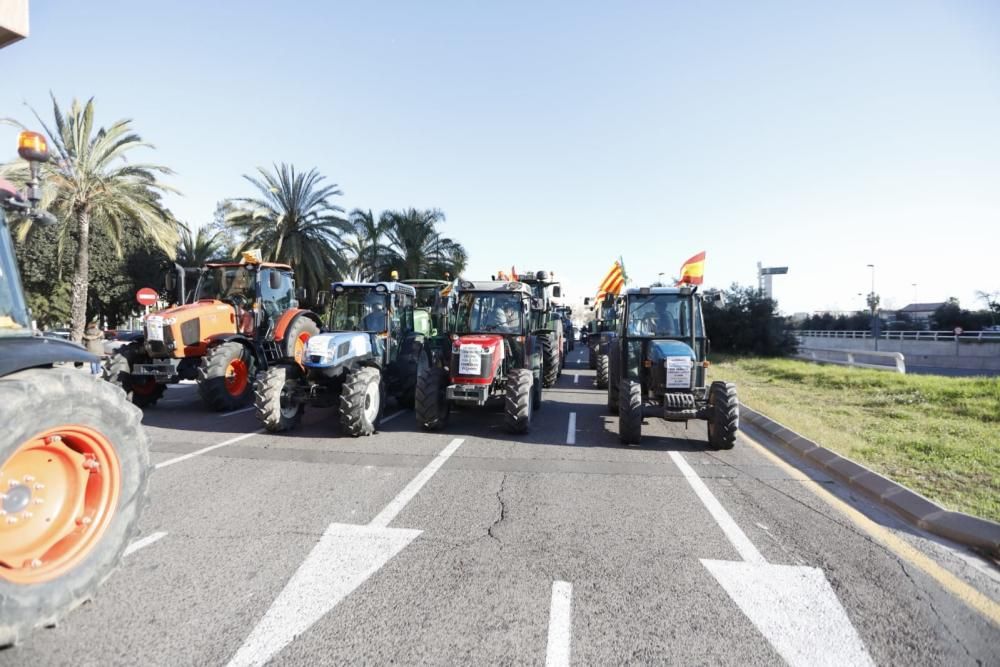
(225, 377)
(602, 371)
(517, 400)
(297, 335)
(550, 359)
(630, 413)
(142, 391)
(431, 406)
(274, 404)
(361, 402)
(82, 442)
(724, 418)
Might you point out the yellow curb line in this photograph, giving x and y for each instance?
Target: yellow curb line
(901, 548)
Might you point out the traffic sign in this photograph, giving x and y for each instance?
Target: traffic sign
(958, 331)
(146, 296)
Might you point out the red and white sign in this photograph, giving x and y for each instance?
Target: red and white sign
(958, 331)
(146, 296)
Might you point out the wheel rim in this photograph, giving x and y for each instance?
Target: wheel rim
(237, 377)
(288, 404)
(371, 402)
(60, 490)
(300, 346)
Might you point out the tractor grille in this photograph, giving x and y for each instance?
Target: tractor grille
(678, 401)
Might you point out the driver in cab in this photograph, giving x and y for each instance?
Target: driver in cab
(658, 323)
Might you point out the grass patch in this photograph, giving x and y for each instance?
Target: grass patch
(937, 435)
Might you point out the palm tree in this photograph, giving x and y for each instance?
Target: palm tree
(365, 247)
(417, 249)
(196, 250)
(294, 221)
(89, 182)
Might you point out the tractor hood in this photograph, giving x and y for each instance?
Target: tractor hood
(182, 330)
(326, 350)
(659, 350)
(475, 358)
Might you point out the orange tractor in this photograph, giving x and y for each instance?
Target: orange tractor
(241, 318)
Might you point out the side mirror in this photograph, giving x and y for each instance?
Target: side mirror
(274, 280)
(557, 291)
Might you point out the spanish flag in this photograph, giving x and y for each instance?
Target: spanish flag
(693, 270)
(613, 282)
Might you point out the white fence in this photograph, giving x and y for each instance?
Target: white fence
(971, 336)
(809, 353)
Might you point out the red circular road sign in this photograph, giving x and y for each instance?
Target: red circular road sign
(146, 296)
(958, 331)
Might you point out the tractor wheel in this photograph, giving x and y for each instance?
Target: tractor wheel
(74, 461)
(361, 402)
(536, 393)
(614, 380)
(517, 402)
(602, 371)
(630, 413)
(550, 360)
(296, 337)
(592, 357)
(225, 377)
(431, 406)
(143, 391)
(275, 406)
(724, 417)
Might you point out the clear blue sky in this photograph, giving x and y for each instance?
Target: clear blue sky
(821, 135)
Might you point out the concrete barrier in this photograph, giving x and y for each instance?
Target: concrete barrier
(969, 355)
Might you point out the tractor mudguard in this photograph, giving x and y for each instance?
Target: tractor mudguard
(20, 353)
(245, 341)
(286, 319)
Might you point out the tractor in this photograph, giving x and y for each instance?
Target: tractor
(603, 332)
(242, 318)
(74, 458)
(495, 358)
(547, 324)
(658, 365)
(369, 350)
(430, 314)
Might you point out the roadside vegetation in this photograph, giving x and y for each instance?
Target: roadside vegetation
(940, 436)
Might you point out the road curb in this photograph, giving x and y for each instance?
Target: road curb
(971, 531)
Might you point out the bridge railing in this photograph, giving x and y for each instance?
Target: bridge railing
(970, 336)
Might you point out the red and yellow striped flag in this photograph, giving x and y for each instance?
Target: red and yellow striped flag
(693, 270)
(613, 282)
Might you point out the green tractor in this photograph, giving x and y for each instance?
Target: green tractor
(546, 323)
(603, 331)
(370, 350)
(658, 366)
(430, 315)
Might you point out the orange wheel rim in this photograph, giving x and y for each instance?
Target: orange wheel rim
(237, 377)
(300, 347)
(60, 490)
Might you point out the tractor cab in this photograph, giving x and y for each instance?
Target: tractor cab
(547, 324)
(430, 312)
(383, 311)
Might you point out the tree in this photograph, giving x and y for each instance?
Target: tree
(196, 250)
(368, 255)
(992, 301)
(747, 323)
(417, 249)
(293, 221)
(89, 184)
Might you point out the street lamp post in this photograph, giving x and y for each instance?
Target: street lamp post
(873, 305)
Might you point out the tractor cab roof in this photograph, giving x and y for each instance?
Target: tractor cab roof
(683, 291)
(425, 282)
(249, 265)
(493, 286)
(385, 287)
(537, 277)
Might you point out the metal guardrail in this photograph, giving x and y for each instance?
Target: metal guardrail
(809, 354)
(971, 336)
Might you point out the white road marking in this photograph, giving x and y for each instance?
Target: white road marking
(560, 625)
(392, 416)
(571, 429)
(385, 517)
(793, 606)
(576, 379)
(343, 559)
(236, 412)
(142, 543)
(744, 546)
(185, 457)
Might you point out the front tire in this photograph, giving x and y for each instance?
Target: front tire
(142, 391)
(225, 377)
(724, 419)
(274, 404)
(431, 405)
(80, 437)
(550, 360)
(602, 371)
(630, 413)
(517, 400)
(614, 379)
(361, 402)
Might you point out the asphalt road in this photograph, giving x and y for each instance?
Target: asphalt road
(472, 546)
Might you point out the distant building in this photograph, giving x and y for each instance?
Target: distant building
(920, 312)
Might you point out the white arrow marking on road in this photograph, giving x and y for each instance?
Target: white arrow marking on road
(571, 429)
(560, 625)
(794, 607)
(345, 556)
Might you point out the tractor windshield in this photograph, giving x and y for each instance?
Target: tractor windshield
(427, 295)
(359, 310)
(224, 283)
(660, 315)
(14, 320)
(490, 312)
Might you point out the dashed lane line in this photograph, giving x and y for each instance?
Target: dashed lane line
(236, 412)
(204, 450)
(560, 625)
(392, 416)
(571, 429)
(143, 543)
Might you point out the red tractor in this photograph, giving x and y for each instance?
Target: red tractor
(495, 359)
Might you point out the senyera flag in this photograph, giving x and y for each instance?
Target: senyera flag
(693, 270)
(613, 282)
